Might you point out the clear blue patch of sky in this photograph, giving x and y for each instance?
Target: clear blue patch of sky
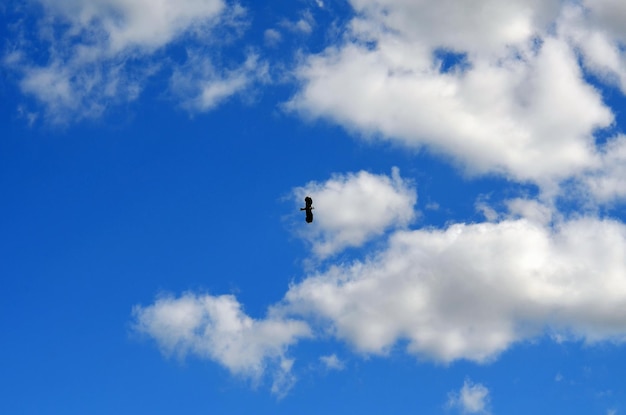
(451, 61)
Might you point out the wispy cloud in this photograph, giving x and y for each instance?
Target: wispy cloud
(200, 86)
(272, 37)
(113, 26)
(332, 362)
(471, 399)
(103, 53)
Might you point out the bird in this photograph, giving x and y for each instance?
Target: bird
(309, 209)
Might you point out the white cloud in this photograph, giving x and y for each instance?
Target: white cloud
(471, 399)
(120, 24)
(272, 37)
(332, 362)
(284, 379)
(607, 183)
(485, 27)
(304, 25)
(482, 206)
(350, 209)
(519, 107)
(201, 87)
(70, 91)
(102, 53)
(597, 30)
(531, 210)
(215, 327)
(472, 290)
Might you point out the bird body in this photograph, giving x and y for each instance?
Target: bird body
(308, 208)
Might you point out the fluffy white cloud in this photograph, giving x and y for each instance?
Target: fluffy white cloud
(531, 210)
(472, 290)
(480, 27)
(607, 183)
(519, 105)
(215, 327)
(471, 399)
(592, 26)
(352, 208)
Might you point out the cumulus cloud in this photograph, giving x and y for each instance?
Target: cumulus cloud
(216, 328)
(607, 183)
(471, 399)
(518, 106)
(594, 28)
(102, 53)
(472, 290)
(483, 27)
(531, 210)
(352, 208)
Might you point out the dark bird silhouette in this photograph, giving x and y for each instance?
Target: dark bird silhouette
(309, 209)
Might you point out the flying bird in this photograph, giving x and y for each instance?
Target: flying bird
(309, 209)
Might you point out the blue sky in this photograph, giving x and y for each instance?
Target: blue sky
(466, 165)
